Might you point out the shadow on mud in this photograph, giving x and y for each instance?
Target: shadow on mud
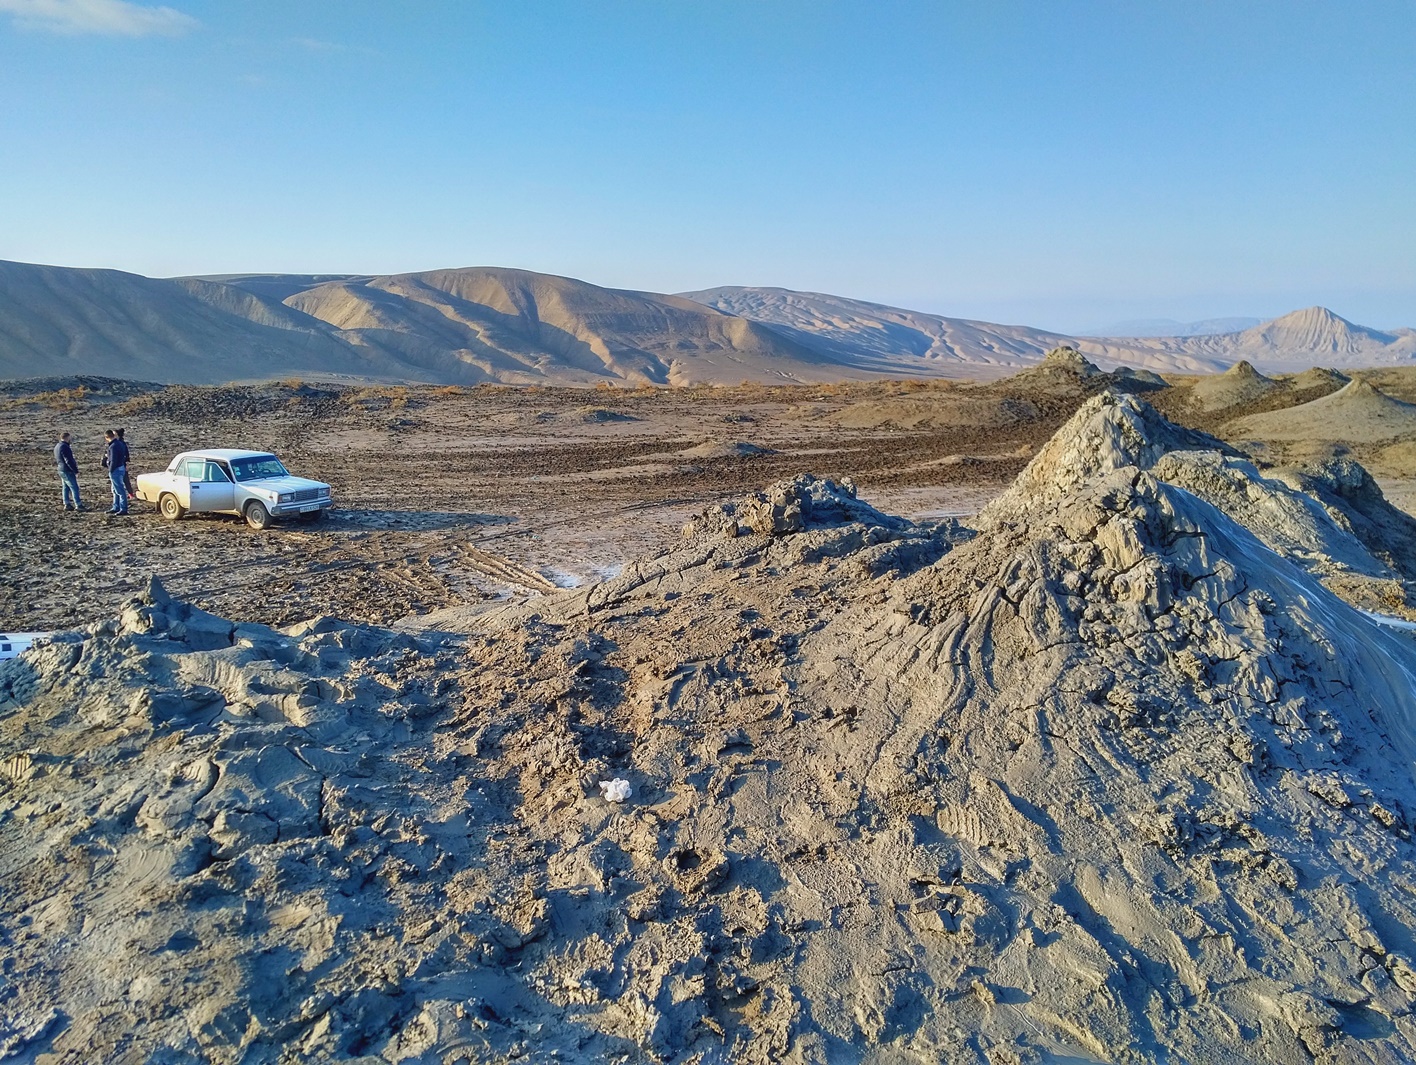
(411, 519)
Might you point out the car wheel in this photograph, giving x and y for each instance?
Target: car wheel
(170, 508)
(257, 516)
(312, 517)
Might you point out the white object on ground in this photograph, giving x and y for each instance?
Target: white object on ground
(617, 790)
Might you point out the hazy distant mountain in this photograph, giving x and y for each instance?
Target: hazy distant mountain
(1169, 327)
(445, 326)
(890, 339)
(1318, 331)
(513, 326)
(1313, 336)
(894, 340)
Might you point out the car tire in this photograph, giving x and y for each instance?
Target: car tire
(257, 516)
(169, 508)
(312, 517)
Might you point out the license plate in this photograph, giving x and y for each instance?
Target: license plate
(306, 510)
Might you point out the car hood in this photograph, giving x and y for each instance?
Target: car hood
(281, 484)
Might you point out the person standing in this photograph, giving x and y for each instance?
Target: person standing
(116, 459)
(127, 475)
(68, 473)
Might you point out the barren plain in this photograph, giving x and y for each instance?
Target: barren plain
(434, 486)
(1063, 718)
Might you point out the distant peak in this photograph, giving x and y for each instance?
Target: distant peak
(1316, 330)
(1315, 314)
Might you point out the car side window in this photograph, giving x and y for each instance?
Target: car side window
(195, 469)
(214, 472)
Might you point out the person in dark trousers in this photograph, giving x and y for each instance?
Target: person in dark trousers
(127, 476)
(68, 473)
(116, 459)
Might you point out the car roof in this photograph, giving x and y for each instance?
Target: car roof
(225, 453)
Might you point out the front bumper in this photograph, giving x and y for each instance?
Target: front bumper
(303, 506)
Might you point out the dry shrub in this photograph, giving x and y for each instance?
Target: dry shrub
(64, 400)
(377, 397)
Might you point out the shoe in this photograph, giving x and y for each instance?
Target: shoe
(81, 510)
(68, 508)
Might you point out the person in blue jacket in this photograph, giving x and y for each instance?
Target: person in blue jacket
(116, 459)
(68, 473)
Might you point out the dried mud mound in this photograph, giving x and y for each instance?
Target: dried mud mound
(1105, 778)
(1240, 384)
(1357, 413)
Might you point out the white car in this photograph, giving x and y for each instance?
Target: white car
(13, 643)
(251, 484)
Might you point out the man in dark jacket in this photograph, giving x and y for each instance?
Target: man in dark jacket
(68, 473)
(127, 473)
(116, 459)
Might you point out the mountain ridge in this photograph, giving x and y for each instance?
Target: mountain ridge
(1169, 327)
(1315, 334)
(475, 325)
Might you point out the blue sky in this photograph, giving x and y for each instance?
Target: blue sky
(1062, 163)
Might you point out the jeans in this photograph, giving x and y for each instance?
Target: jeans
(120, 489)
(69, 489)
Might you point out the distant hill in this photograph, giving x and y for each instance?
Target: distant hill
(894, 340)
(444, 326)
(890, 338)
(519, 326)
(1316, 330)
(1169, 327)
(1313, 336)
(484, 324)
(56, 321)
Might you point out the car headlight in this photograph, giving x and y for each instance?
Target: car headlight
(287, 497)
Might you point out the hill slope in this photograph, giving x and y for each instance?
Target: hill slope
(895, 340)
(519, 326)
(473, 325)
(1312, 336)
(445, 326)
(59, 321)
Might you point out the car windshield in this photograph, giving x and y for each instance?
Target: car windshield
(255, 469)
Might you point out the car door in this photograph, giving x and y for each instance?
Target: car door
(217, 490)
(187, 475)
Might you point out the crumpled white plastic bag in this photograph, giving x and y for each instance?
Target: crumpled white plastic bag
(617, 790)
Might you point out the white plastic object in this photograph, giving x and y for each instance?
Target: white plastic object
(617, 790)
